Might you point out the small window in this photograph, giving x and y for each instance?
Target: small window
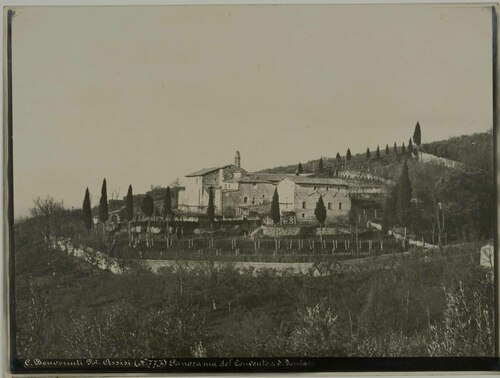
(245, 199)
(253, 201)
(254, 184)
(340, 205)
(315, 187)
(263, 196)
(338, 189)
(303, 215)
(303, 206)
(329, 205)
(327, 188)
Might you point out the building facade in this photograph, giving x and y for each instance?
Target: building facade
(298, 195)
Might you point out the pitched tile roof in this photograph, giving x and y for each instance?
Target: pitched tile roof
(317, 181)
(206, 171)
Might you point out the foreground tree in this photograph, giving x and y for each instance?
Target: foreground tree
(339, 158)
(129, 212)
(377, 154)
(167, 208)
(348, 155)
(404, 197)
(368, 153)
(417, 135)
(47, 209)
(148, 208)
(275, 213)
(103, 209)
(403, 149)
(320, 165)
(87, 211)
(387, 149)
(320, 213)
(395, 149)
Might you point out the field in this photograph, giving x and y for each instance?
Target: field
(420, 307)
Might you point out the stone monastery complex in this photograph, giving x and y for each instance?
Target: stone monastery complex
(239, 194)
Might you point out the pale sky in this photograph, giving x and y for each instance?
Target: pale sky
(144, 95)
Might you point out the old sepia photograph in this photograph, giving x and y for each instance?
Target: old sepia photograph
(251, 188)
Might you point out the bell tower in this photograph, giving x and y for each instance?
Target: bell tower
(237, 159)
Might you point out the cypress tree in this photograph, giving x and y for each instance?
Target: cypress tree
(404, 197)
(275, 208)
(320, 213)
(129, 204)
(103, 209)
(417, 135)
(377, 154)
(368, 153)
(385, 219)
(148, 208)
(320, 165)
(387, 149)
(129, 211)
(211, 207)
(167, 208)
(410, 147)
(395, 149)
(348, 155)
(103, 204)
(338, 157)
(87, 211)
(403, 149)
(167, 203)
(300, 169)
(275, 213)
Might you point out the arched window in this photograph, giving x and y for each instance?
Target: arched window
(245, 199)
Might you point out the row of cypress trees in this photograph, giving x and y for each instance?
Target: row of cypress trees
(417, 139)
(147, 208)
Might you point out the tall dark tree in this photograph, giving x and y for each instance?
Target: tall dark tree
(275, 208)
(368, 153)
(129, 212)
(103, 208)
(275, 213)
(410, 147)
(417, 135)
(404, 197)
(385, 220)
(211, 206)
(167, 204)
(387, 149)
(377, 153)
(403, 149)
(395, 149)
(339, 158)
(320, 165)
(87, 211)
(390, 213)
(300, 169)
(148, 208)
(320, 213)
(348, 155)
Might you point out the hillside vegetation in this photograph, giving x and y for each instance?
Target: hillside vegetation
(475, 150)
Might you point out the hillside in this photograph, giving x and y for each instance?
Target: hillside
(474, 150)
